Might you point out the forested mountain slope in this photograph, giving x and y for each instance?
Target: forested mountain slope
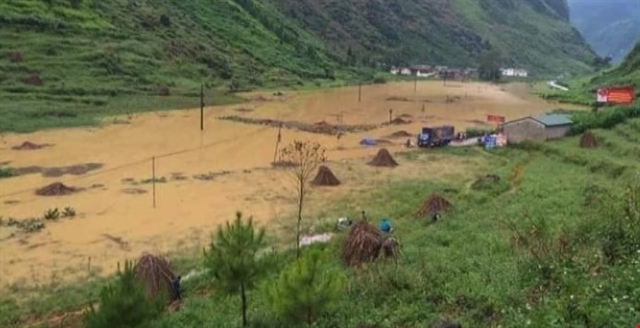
(611, 27)
(533, 34)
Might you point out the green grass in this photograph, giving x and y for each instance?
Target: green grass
(463, 267)
(29, 112)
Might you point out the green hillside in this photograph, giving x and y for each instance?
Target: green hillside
(64, 62)
(582, 89)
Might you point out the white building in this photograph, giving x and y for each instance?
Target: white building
(516, 72)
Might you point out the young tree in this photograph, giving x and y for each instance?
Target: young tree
(306, 289)
(306, 156)
(124, 304)
(232, 258)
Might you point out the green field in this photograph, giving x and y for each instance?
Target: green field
(576, 266)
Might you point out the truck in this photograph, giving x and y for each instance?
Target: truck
(437, 136)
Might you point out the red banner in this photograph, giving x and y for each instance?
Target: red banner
(495, 119)
(616, 95)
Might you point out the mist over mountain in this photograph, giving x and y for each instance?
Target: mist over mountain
(611, 27)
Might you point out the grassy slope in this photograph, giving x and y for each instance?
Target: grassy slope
(582, 89)
(463, 267)
(104, 56)
(112, 57)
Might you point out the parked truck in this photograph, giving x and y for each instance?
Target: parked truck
(437, 136)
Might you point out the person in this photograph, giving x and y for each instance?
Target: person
(176, 288)
(385, 226)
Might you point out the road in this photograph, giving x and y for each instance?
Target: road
(554, 85)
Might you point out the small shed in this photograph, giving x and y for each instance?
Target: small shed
(537, 128)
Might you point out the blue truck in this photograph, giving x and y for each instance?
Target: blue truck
(437, 136)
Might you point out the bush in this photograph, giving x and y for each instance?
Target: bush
(6, 172)
(305, 290)
(379, 80)
(123, 304)
(605, 119)
(474, 132)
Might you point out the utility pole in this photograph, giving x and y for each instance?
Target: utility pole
(202, 107)
(359, 91)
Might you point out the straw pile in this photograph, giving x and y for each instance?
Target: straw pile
(28, 145)
(56, 189)
(384, 159)
(362, 244)
(588, 140)
(325, 177)
(434, 204)
(391, 248)
(156, 275)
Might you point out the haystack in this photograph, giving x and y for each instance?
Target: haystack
(325, 177)
(391, 248)
(434, 204)
(155, 274)
(383, 158)
(588, 140)
(401, 134)
(399, 120)
(56, 189)
(362, 244)
(27, 145)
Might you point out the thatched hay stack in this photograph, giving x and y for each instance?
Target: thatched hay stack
(325, 177)
(383, 158)
(362, 244)
(434, 204)
(56, 189)
(588, 140)
(391, 249)
(156, 275)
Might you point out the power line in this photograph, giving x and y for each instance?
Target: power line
(131, 164)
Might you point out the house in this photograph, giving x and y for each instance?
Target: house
(452, 74)
(394, 70)
(405, 71)
(514, 72)
(421, 70)
(537, 128)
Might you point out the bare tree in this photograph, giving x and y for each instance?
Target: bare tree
(306, 157)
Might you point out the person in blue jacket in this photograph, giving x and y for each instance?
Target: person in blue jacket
(385, 226)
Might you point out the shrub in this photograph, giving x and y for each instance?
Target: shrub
(305, 290)
(163, 90)
(123, 304)
(474, 132)
(605, 119)
(379, 79)
(6, 172)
